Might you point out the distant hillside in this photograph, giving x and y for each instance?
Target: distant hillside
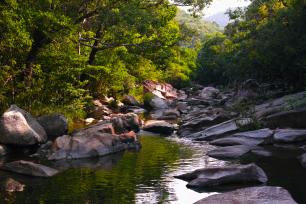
(220, 18)
(199, 25)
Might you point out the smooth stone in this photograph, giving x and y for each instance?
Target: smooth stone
(55, 125)
(289, 136)
(230, 152)
(159, 126)
(158, 103)
(18, 127)
(210, 178)
(29, 168)
(251, 195)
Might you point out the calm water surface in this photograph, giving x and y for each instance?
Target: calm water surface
(145, 176)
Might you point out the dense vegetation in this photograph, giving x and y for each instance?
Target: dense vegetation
(57, 55)
(266, 41)
(60, 54)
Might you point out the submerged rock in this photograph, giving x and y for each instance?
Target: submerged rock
(3, 150)
(251, 195)
(18, 127)
(55, 125)
(29, 168)
(159, 126)
(289, 135)
(302, 159)
(208, 178)
(230, 152)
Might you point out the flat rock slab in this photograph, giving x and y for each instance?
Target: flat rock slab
(289, 135)
(251, 195)
(250, 138)
(225, 128)
(159, 126)
(232, 141)
(29, 168)
(230, 152)
(224, 176)
(302, 159)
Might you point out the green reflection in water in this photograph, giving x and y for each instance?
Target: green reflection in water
(114, 179)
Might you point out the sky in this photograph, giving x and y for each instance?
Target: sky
(218, 6)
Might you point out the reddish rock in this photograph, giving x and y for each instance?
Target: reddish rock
(161, 90)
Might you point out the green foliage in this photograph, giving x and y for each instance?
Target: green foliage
(266, 42)
(57, 55)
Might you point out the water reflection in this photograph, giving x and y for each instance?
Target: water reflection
(129, 177)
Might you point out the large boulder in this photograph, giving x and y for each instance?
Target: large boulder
(209, 178)
(159, 126)
(18, 127)
(250, 138)
(84, 145)
(55, 125)
(210, 93)
(302, 159)
(230, 152)
(287, 119)
(126, 122)
(157, 103)
(289, 135)
(251, 195)
(29, 168)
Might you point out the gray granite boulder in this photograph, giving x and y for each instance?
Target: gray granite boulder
(55, 125)
(159, 126)
(18, 127)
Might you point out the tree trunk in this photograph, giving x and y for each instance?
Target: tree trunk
(39, 42)
(94, 49)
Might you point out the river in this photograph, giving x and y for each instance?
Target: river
(144, 176)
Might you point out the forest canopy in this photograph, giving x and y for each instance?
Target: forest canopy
(60, 54)
(265, 41)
